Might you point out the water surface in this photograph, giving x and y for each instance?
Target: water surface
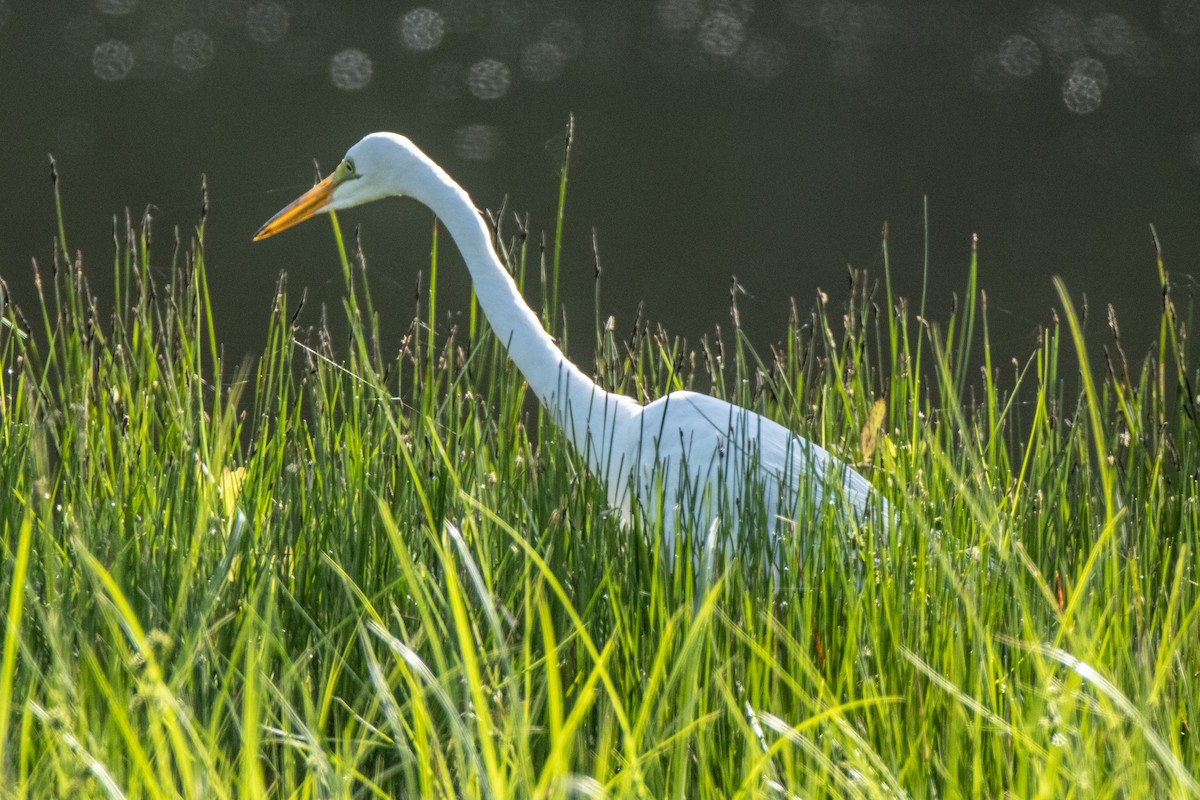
(766, 140)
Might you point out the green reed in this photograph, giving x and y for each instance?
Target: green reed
(356, 568)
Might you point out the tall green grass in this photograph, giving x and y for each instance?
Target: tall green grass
(349, 568)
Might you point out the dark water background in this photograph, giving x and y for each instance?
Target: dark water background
(766, 140)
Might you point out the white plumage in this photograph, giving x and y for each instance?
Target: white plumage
(685, 458)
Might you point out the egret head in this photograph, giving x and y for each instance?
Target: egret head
(380, 165)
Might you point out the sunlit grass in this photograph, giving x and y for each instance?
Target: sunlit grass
(346, 570)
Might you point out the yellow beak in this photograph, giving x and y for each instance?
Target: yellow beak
(300, 209)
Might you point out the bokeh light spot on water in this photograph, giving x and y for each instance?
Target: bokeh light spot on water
(267, 22)
(1109, 34)
(116, 7)
(192, 50)
(761, 61)
(488, 79)
(721, 34)
(477, 142)
(1081, 94)
(1181, 16)
(1020, 56)
(112, 60)
(421, 29)
(1091, 68)
(679, 16)
(351, 70)
(541, 62)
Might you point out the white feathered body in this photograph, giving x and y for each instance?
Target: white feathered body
(688, 459)
(684, 460)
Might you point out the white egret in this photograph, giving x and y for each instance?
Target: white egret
(684, 458)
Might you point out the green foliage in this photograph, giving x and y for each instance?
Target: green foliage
(341, 571)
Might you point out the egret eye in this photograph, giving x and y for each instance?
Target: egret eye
(349, 166)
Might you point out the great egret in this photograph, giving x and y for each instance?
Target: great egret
(684, 459)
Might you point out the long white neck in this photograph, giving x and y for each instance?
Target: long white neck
(587, 414)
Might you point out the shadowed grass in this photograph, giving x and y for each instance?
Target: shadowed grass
(357, 569)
